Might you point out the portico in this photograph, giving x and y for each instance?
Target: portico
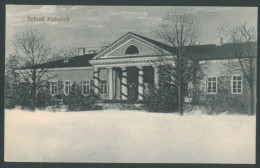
(127, 82)
(131, 68)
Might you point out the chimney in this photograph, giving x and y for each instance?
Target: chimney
(92, 51)
(81, 51)
(219, 41)
(197, 43)
(103, 47)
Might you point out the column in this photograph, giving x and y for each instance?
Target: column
(156, 77)
(110, 84)
(96, 81)
(124, 84)
(140, 83)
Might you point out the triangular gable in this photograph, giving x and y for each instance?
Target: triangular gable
(118, 47)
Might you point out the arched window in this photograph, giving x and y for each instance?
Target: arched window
(132, 50)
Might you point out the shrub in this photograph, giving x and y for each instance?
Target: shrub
(161, 100)
(191, 108)
(9, 104)
(22, 96)
(88, 106)
(75, 99)
(224, 101)
(45, 99)
(131, 106)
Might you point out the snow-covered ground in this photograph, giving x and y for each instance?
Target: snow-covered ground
(128, 136)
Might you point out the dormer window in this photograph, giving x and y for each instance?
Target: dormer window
(66, 60)
(132, 50)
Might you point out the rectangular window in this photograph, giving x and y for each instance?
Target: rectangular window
(211, 85)
(103, 87)
(86, 87)
(54, 88)
(236, 84)
(67, 87)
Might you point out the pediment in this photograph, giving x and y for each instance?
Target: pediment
(120, 48)
(143, 49)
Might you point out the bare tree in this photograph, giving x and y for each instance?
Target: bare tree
(31, 49)
(63, 52)
(11, 78)
(242, 39)
(180, 32)
(105, 41)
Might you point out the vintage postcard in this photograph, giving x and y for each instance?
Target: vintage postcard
(130, 84)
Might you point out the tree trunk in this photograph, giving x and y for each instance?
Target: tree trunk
(181, 86)
(34, 87)
(194, 96)
(252, 90)
(181, 100)
(252, 101)
(181, 96)
(33, 98)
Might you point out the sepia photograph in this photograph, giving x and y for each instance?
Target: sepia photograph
(130, 84)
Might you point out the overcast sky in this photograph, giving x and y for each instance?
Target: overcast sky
(92, 26)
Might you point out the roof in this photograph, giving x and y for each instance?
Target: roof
(157, 43)
(213, 52)
(200, 52)
(77, 61)
(205, 52)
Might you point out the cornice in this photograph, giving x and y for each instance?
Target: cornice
(70, 69)
(64, 69)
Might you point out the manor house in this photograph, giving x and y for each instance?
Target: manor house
(127, 67)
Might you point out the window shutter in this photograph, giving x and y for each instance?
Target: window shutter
(48, 86)
(91, 87)
(81, 87)
(60, 87)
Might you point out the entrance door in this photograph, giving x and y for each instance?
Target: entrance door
(132, 91)
(132, 75)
